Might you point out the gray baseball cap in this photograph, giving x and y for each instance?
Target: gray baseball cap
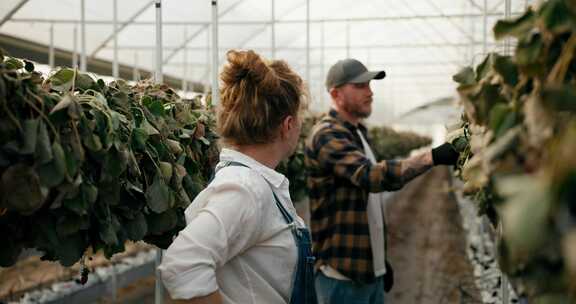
(350, 71)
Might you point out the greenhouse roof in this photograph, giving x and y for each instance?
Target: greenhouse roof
(420, 43)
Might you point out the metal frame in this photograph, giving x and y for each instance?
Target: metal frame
(255, 22)
(121, 28)
(198, 32)
(319, 47)
(13, 11)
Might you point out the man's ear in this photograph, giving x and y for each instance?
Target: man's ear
(334, 93)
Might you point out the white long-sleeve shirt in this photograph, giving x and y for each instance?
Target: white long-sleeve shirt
(236, 240)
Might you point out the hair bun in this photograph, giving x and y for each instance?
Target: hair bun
(248, 66)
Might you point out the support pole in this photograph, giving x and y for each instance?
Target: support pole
(185, 65)
(322, 59)
(308, 41)
(347, 39)
(158, 70)
(207, 74)
(215, 89)
(75, 52)
(83, 63)
(273, 30)
(135, 71)
(159, 289)
(485, 29)
(507, 15)
(51, 48)
(115, 70)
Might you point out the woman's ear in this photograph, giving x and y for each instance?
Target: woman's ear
(288, 123)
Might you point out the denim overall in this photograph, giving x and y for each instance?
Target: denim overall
(303, 290)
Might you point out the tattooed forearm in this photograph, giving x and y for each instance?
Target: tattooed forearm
(416, 165)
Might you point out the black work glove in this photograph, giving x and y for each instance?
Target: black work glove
(388, 277)
(445, 155)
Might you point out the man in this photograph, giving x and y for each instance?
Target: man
(347, 219)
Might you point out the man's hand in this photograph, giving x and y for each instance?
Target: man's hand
(444, 155)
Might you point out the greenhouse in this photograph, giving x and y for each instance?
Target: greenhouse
(116, 117)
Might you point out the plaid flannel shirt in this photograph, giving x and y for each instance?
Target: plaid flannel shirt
(340, 178)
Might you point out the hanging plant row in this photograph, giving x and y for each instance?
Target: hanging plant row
(85, 165)
(517, 143)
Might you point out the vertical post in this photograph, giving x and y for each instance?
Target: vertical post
(273, 30)
(308, 41)
(215, 89)
(471, 47)
(158, 70)
(485, 29)
(347, 38)
(208, 78)
(507, 15)
(159, 288)
(75, 52)
(83, 64)
(185, 66)
(115, 72)
(322, 59)
(135, 72)
(158, 294)
(51, 47)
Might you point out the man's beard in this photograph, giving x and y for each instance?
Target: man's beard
(355, 111)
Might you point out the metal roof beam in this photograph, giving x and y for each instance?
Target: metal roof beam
(121, 27)
(297, 48)
(13, 11)
(255, 22)
(198, 32)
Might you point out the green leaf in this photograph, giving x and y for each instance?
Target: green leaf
(71, 163)
(89, 193)
(137, 228)
(62, 80)
(30, 136)
(483, 68)
(84, 82)
(560, 97)
(54, 172)
(518, 27)
(43, 147)
(158, 195)
(154, 106)
(139, 138)
(92, 142)
(556, 17)
(77, 204)
(465, 76)
(115, 164)
(504, 66)
(70, 249)
(529, 50)
(110, 192)
(13, 63)
(148, 128)
(10, 250)
(166, 169)
(162, 222)
(71, 224)
(21, 189)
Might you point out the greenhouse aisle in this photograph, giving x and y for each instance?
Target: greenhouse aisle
(427, 244)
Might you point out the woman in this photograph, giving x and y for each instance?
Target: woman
(244, 242)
